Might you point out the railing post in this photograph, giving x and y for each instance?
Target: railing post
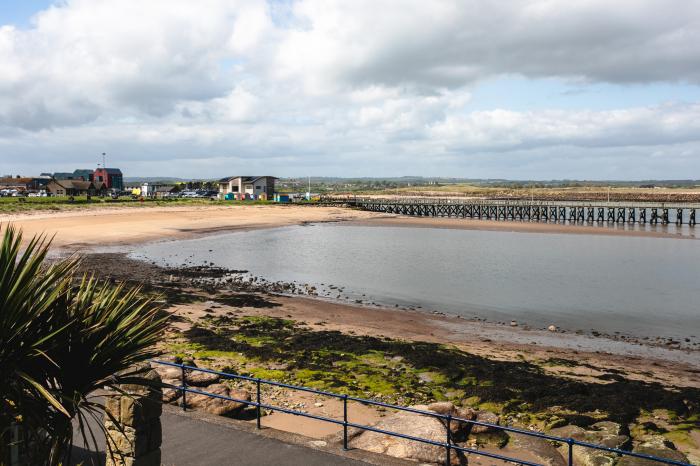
(448, 456)
(184, 387)
(257, 407)
(345, 422)
(570, 441)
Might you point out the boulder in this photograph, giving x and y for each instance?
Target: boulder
(542, 449)
(492, 438)
(413, 424)
(201, 379)
(654, 445)
(445, 407)
(487, 417)
(218, 406)
(171, 394)
(168, 373)
(607, 434)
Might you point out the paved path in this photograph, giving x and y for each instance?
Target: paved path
(190, 441)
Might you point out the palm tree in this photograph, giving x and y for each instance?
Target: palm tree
(62, 337)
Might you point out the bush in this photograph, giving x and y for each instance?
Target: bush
(62, 338)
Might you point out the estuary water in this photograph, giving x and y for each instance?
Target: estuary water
(639, 286)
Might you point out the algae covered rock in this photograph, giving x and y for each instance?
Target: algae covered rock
(653, 445)
(605, 433)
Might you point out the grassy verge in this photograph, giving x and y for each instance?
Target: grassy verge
(19, 205)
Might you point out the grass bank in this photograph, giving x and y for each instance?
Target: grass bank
(29, 204)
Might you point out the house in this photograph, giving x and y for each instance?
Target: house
(74, 188)
(247, 187)
(156, 190)
(111, 177)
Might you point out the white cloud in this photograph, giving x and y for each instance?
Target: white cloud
(331, 84)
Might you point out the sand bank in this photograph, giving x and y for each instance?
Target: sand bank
(120, 226)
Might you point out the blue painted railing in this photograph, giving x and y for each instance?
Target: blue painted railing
(447, 419)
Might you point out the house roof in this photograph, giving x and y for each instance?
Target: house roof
(250, 179)
(75, 184)
(15, 181)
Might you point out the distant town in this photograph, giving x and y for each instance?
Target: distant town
(104, 182)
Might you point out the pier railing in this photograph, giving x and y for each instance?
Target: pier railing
(448, 420)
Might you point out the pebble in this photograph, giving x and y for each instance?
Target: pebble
(552, 328)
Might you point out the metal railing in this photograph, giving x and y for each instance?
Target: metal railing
(446, 419)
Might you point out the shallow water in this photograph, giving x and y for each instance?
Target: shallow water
(645, 287)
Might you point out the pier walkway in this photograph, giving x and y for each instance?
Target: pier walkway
(651, 213)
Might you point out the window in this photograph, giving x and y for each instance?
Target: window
(258, 187)
(234, 189)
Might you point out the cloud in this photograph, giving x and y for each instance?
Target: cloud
(456, 43)
(347, 86)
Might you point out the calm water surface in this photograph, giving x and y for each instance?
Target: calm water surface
(634, 285)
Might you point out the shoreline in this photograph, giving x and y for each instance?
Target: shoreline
(173, 223)
(126, 226)
(486, 339)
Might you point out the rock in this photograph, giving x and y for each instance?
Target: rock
(611, 428)
(169, 373)
(217, 405)
(413, 424)
(170, 394)
(542, 449)
(491, 438)
(318, 405)
(487, 417)
(445, 407)
(513, 323)
(552, 328)
(201, 379)
(654, 445)
(606, 433)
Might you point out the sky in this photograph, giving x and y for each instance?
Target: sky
(527, 89)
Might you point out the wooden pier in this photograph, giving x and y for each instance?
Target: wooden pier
(523, 210)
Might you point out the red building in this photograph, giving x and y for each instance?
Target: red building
(111, 177)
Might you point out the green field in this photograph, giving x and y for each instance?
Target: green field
(19, 205)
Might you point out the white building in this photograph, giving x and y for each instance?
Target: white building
(247, 187)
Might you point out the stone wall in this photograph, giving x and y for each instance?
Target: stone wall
(134, 434)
